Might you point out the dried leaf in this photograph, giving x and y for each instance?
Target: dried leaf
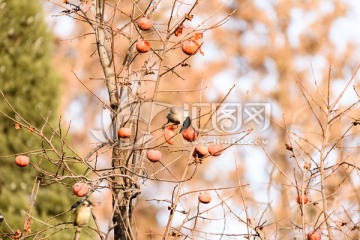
(189, 17)
(27, 225)
(17, 234)
(307, 165)
(179, 30)
(288, 147)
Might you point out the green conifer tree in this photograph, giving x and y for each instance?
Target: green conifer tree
(30, 84)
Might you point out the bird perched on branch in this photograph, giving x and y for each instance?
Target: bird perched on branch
(176, 116)
(82, 217)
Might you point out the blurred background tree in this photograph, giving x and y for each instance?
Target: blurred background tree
(31, 84)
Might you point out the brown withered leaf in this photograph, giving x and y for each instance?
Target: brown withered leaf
(27, 225)
(189, 17)
(288, 147)
(179, 30)
(307, 165)
(17, 234)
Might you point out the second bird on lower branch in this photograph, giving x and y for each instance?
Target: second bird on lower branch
(82, 217)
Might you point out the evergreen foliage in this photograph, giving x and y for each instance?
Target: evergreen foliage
(31, 85)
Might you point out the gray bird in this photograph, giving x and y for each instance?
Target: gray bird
(186, 124)
(176, 116)
(82, 217)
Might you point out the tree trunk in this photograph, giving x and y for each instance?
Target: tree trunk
(120, 186)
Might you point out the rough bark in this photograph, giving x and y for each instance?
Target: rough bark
(120, 185)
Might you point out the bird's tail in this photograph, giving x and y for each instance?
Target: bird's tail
(77, 233)
(186, 124)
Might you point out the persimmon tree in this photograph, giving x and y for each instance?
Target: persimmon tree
(135, 59)
(128, 157)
